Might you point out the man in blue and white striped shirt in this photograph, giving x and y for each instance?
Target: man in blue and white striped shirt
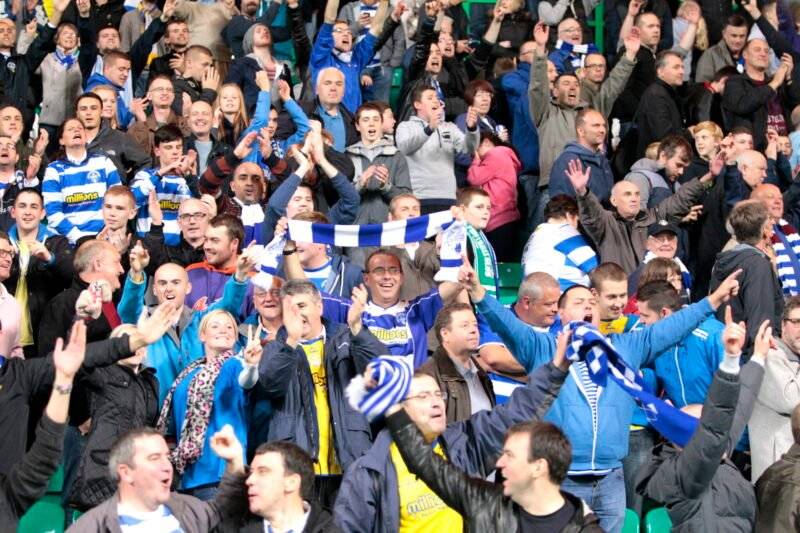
(166, 181)
(74, 186)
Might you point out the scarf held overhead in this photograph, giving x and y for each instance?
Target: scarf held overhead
(603, 361)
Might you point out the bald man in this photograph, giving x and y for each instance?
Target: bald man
(329, 108)
(785, 240)
(565, 56)
(752, 171)
(621, 234)
(180, 345)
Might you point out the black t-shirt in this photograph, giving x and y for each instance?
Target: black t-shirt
(550, 523)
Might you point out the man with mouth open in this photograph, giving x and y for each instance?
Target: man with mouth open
(140, 465)
(595, 419)
(379, 494)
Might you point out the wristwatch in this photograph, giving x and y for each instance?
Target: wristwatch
(62, 389)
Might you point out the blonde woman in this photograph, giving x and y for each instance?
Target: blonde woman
(207, 395)
(108, 95)
(231, 115)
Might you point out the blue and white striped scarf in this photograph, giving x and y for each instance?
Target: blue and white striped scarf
(393, 377)
(394, 233)
(603, 361)
(576, 53)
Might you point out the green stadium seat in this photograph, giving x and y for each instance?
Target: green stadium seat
(397, 85)
(46, 516)
(631, 524)
(657, 521)
(510, 278)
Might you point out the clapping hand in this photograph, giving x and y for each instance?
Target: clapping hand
(359, 301)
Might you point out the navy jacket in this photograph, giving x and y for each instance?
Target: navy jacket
(601, 179)
(369, 501)
(285, 377)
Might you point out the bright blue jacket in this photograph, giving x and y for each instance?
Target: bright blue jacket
(601, 446)
(323, 56)
(686, 369)
(524, 135)
(170, 354)
(230, 403)
(124, 115)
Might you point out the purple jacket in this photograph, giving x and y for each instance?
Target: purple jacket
(208, 283)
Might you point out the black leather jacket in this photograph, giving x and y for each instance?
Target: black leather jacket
(482, 504)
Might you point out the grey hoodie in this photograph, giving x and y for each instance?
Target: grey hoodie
(431, 156)
(645, 174)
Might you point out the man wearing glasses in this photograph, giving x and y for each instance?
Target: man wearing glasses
(601, 92)
(378, 494)
(193, 217)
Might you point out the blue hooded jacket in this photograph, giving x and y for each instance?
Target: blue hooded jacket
(601, 179)
(170, 354)
(602, 445)
(124, 115)
(524, 135)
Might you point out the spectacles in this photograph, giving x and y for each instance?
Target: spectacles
(426, 396)
(597, 66)
(261, 295)
(185, 217)
(380, 271)
(161, 89)
(6, 254)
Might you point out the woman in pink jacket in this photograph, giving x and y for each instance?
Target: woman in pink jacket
(495, 169)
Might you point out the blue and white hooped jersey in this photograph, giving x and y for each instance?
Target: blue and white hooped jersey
(73, 194)
(403, 327)
(170, 191)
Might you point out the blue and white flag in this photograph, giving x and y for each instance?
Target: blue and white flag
(603, 361)
(269, 257)
(393, 377)
(394, 233)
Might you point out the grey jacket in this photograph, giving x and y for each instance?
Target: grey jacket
(623, 241)
(770, 426)
(644, 173)
(431, 154)
(392, 52)
(556, 124)
(702, 489)
(712, 60)
(60, 87)
(195, 516)
(375, 196)
(603, 96)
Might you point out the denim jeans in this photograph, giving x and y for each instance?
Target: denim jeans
(640, 446)
(605, 495)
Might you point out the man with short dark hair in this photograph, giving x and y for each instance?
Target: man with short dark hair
(660, 111)
(140, 465)
(430, 145)
(726, 52)
(280, 491)
(116, 71)
(756, 100)
(659, 179)
(223, 243)
(760, 297)
(452, 365)
(534, 462)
